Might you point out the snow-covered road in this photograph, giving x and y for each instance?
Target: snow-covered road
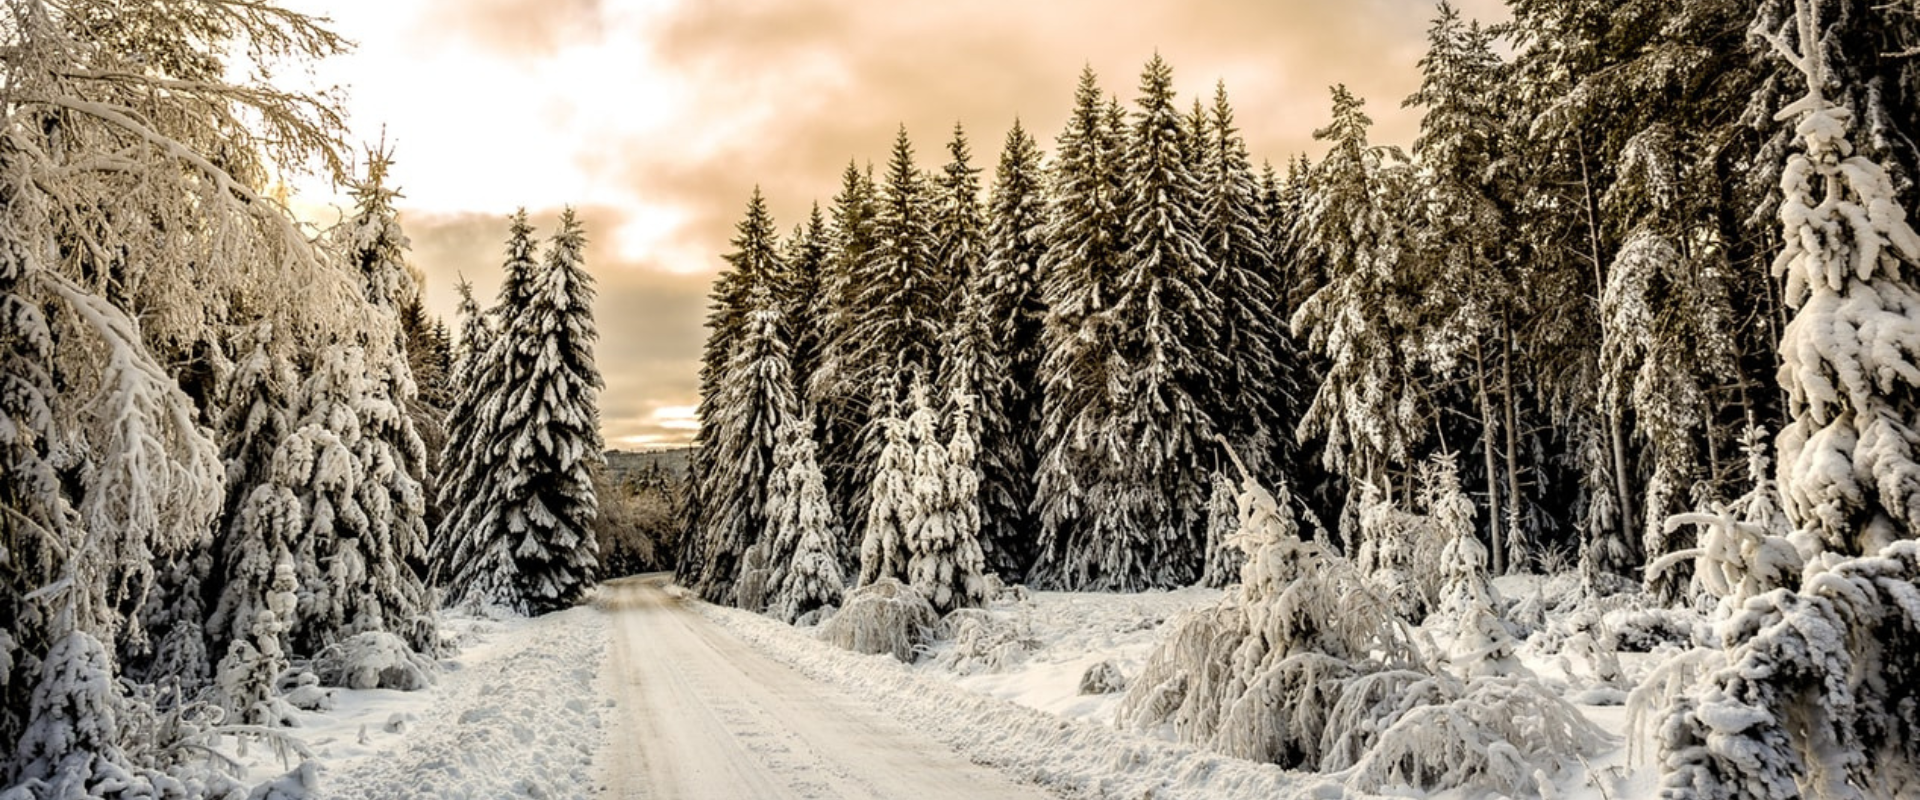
(702, 715)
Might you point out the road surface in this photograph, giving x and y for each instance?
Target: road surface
(700, 715)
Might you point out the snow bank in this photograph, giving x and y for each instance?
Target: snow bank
(1075, 757)
(515, 714)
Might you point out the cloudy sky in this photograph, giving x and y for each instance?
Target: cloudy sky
(656, 119)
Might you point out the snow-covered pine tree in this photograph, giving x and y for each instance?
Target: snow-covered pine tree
(550, 431)
(805, 531)
(466, 427)
(1146, 510)
(1816, 697)
(261, 517)
(833, 391)
(469, 562)
(900, 311)
(372, 240)
(802, 286)
(756, 398)
(709, 558)
(1223, 520)
(959, 226)
(944, 562)
(353, 578)
(1008, 293)
(1366, 407)
(890, 500)
(972, 354)
(1083, 482)
(1255, 400)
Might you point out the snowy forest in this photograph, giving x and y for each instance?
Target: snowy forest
(1637, 308)
(239, 462)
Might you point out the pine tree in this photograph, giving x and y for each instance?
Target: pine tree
(1252, 359)
(834, 390)
(1006, 293)
(755, 399)
(707, 563)
(1078, 471)
(1366, 406)
(550, 432)
(944, 563)
(805, 531)
(469, 560)
(803, 286)
(466, 427)
(883, 543)
(353, 559)
(262, 517)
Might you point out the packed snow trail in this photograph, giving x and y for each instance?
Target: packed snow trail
(703, 715)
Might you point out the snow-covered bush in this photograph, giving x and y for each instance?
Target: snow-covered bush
(1223, 671)
(1497, 734)
(1819, 692)
(1102, 678)
(1304, 666)
(885, 616)
(373, 660)
(1645, 630)
(1746, 547)
(981, 641)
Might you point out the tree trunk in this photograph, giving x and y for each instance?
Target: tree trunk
(1513, 441)
(1496, 542)
(1616, 436)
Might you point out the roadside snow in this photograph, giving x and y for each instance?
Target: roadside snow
(1072, 756)
(514, 714)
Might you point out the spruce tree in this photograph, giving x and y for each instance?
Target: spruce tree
(1253, 359)
(1077, 476)
(1008, 305)
(902, 289)
(944, 563)
(1367, 406)
(883, 542)
(472, 564)
(806, 533)
(738, 437)
(833, 390)
(753, 266)
(549, 429)
(262, 518)
(899, 313)
(803, 287)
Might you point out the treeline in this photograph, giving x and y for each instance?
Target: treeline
(1567, 281)
(221, 430)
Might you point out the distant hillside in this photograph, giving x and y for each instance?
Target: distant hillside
(622, 465)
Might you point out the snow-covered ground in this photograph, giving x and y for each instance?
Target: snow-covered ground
(517, 712)
(647, 697)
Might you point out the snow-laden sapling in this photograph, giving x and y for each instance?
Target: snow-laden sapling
(1255, 675)
(945, 562)
(1302, 665)
(886, 616)
(806, 533)
(373, 660)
